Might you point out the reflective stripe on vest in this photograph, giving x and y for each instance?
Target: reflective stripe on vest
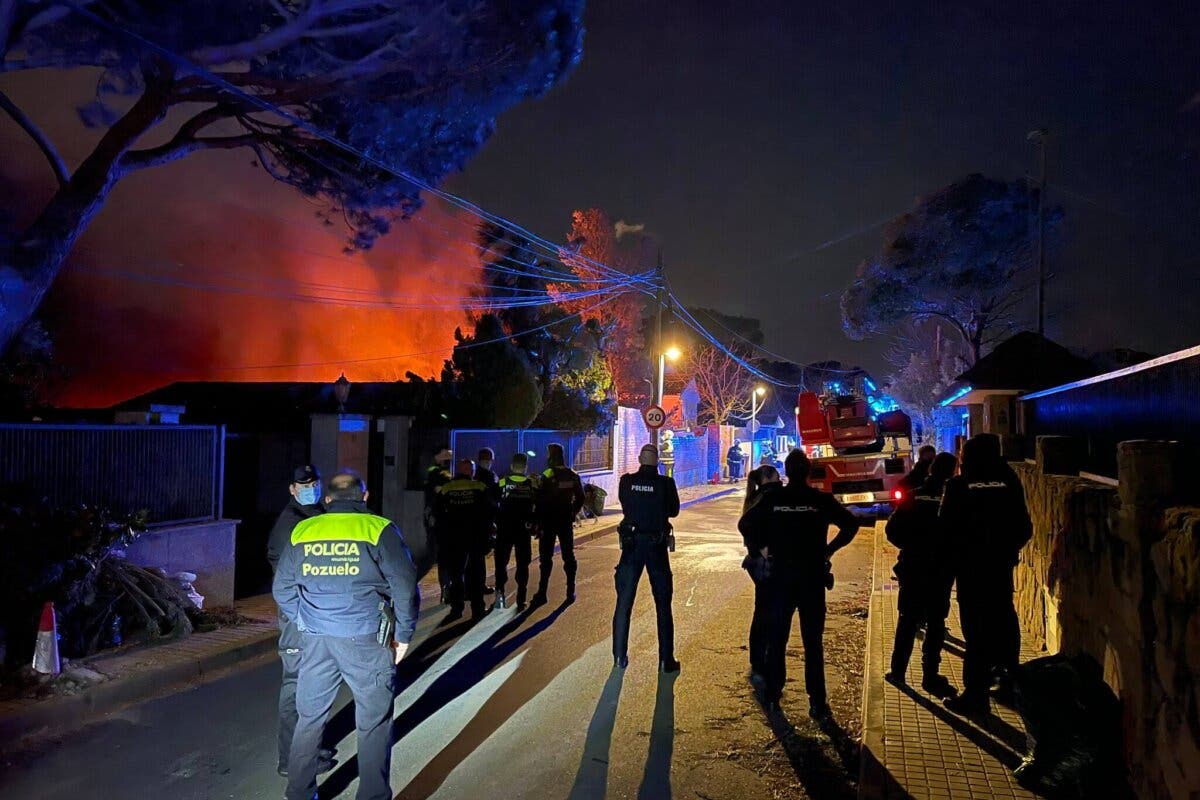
(340, 528)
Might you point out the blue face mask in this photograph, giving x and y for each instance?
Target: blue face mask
(308, 495)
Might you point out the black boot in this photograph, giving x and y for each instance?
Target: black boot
(668, 665)
(937, 685)
(501, 602)
(621, 662)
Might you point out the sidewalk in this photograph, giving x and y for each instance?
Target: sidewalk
(912, 746)
(111, 680)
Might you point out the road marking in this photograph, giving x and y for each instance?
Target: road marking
(691, 594)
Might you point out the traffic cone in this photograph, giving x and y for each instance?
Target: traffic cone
(45, 653)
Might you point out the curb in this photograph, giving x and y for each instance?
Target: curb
(872, 777)
(72, 712)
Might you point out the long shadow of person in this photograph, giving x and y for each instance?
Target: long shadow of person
(821, 776)
(471, 667)
(656, 779)
(1005, 747)
(591, 779)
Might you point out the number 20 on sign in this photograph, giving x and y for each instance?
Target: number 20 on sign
(654, 416)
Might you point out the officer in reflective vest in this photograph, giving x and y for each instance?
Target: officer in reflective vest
(648, 502)
(466, 511)
(348, 580)
(559, 498)
(515, 528)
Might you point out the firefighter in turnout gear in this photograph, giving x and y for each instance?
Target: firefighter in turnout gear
(516, 525)
(790, 528)
(349, 582)
(925, 577)
(465, 511)
(559, 499)
(648, 502)
(987, 524)
(437, 474)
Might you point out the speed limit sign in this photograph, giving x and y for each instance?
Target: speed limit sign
(655, 417)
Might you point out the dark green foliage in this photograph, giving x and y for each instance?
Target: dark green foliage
(490, 385)
(72, 557)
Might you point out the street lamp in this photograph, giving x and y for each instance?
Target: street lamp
(341, 390)
(758, 392)
(1040, 136)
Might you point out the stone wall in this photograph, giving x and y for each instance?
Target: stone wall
(1113, 572)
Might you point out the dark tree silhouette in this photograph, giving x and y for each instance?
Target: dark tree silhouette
(962, 256)
(416, 84)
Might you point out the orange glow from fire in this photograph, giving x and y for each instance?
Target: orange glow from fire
(118, 337)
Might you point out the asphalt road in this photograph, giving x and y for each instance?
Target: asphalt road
(515, 706)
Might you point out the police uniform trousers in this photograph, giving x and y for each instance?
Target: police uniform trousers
(466, 569)
(513, 538)
(991, 630)
(644, 553)
(444, 553)
(289, 657)
(564, 535)
(367, 668)
(759, 629)
(791, 589)
(924, 599)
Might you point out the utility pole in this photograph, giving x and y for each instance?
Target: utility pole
(659, 358)
(1040, 136)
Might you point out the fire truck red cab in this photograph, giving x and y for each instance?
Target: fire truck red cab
(857, 455)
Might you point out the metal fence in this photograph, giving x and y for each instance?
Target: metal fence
(585, 452)
(1154, 400)
(175, 472)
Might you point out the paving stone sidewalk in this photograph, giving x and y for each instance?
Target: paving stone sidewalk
(912, 746)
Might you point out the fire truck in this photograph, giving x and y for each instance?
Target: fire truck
(859, 450)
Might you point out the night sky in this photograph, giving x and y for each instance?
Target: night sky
(764, 143)
(747, 135)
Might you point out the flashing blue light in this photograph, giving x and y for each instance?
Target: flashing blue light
(870, 386)
(955, 396)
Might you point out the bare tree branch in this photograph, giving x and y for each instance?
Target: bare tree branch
(40, 139)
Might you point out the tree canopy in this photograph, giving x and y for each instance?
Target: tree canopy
(961, 256)
(416, 84)
(487, 382)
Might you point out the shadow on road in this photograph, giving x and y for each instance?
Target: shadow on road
(656, 779)
(591, 780)
(822, 777)
(471, 668)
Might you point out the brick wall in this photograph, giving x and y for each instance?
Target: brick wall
(1113, 572)
(691, 459)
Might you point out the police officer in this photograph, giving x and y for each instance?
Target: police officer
(559, 498)
(648, 502)
(760, 483)
(305, 502)
(983, 509)
(920, 471)
(466, 512)
(790, 528)
(516, 526)
(346, 577)
(483, 470)
(437, 474)
(734, 459)
(925, 577)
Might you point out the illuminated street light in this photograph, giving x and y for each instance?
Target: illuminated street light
(673, 353)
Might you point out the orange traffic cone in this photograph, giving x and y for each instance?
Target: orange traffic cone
(45, 653)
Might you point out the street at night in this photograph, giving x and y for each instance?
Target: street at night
(520, 705)
(842, 360)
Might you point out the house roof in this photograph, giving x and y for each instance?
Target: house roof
(1027, 362)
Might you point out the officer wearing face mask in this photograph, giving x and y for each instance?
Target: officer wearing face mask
(305, 502)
